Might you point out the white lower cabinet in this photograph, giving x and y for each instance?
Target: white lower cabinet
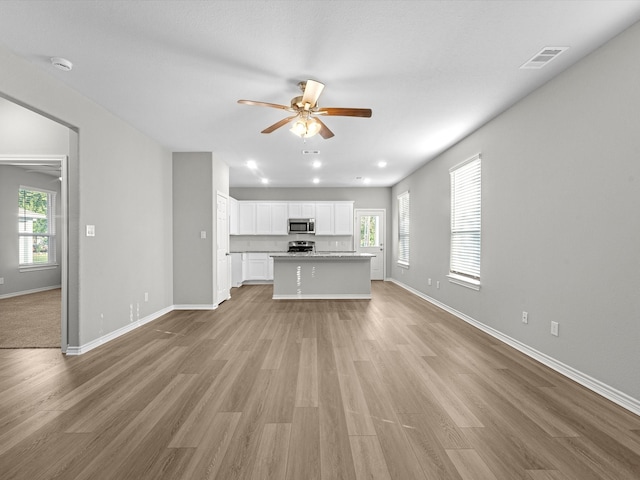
(257, 266)
(236, 270)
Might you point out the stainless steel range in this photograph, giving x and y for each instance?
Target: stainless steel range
(302, 246)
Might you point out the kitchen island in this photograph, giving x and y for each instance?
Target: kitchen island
(330, 275)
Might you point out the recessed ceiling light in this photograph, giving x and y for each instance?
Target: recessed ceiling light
(382, 164)
(61, 63)
(252, 164)
(316, 180)
(265, 180)
(316, 164)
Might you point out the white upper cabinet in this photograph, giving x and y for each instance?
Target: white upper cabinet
(271, 218)
(279, 217)
(262, 218)
(302, 210)
(324, 218)
(246, 218)
(343, 218)
(334, 218)
(233, 216)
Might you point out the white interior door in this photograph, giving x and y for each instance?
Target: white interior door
(223, 277)
(369, 238)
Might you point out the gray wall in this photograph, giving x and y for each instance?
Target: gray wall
(119, 181)
(11, 178)
(560, 222)
(192, 213)
(197, 177)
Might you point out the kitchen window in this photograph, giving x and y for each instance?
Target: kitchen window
(403, 229)
(466, 223)
(36, 227)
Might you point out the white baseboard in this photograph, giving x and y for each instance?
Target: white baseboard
(27, 292)
(608, 392)
(328, 296)
(117, 333)
(195, 307)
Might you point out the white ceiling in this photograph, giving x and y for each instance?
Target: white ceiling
(431, 71)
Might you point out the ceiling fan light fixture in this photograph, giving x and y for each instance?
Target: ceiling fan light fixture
(306, 127)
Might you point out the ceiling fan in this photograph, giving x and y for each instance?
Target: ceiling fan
(306, 109)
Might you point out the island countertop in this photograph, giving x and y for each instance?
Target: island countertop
(320, 255)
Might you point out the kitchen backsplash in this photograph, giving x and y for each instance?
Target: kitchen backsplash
(270, 243)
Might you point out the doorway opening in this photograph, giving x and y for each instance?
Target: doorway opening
(34, 262)
(369, 237)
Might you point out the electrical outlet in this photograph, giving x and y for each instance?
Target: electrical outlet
(525, 317)
(146, 296)
(438, 284)
(554, 328)
(1, 280)
(429, 282)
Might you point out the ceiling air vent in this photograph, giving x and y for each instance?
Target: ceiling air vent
(543, 57)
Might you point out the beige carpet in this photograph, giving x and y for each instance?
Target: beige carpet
(31, 321)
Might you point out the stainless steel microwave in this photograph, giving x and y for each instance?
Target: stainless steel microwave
(302, 225)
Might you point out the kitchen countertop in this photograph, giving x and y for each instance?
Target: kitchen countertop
(321, 255)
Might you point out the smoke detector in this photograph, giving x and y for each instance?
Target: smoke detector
(61, 63)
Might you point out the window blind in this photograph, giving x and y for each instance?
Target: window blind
(466, 218)
(36, 226)
(403, 228)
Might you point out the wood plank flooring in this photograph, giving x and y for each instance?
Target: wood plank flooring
(391, 388)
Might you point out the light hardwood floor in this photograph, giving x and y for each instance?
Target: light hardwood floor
(260, 389)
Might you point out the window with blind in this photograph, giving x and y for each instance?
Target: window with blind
(403, 229)
(36, 227)
(466, 223)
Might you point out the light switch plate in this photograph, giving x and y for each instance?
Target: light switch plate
(91, 230)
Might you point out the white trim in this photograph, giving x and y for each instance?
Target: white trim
(194, 306)
(327, 296)
(477, 156)
(117, 333)
(27, 292)
(34, 267)
(463, 281)
(607, 391)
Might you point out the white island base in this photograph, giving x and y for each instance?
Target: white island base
(321, 276)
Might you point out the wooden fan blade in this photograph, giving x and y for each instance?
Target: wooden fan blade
(324, 131)
(279, 124)
(345, 112)
(312, 91)
(264, 104)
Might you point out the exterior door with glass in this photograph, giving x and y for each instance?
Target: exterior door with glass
(369, 238)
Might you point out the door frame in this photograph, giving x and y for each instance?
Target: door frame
(383, 239)
(218, 301)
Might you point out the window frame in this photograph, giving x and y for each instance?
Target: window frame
(404, 241)
(466, 197)
(50, 234)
